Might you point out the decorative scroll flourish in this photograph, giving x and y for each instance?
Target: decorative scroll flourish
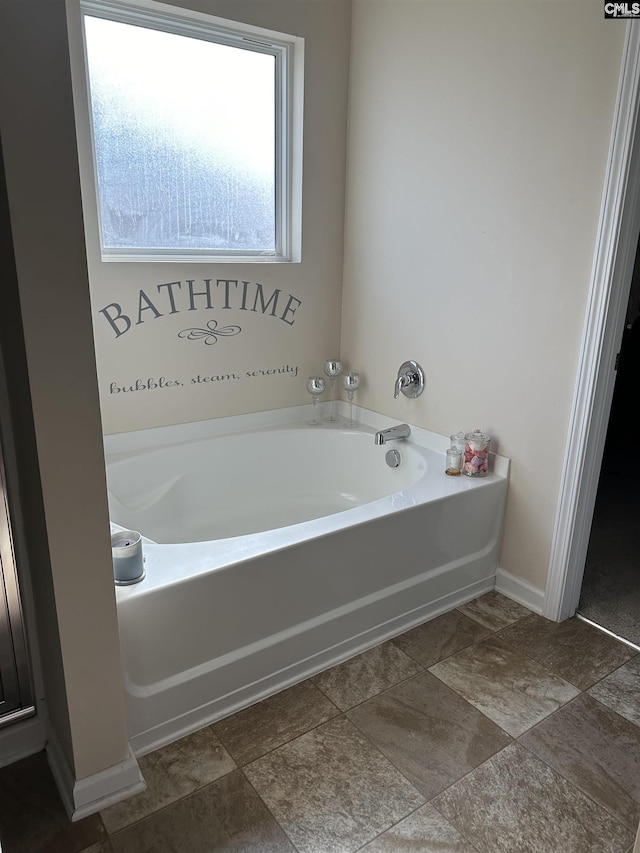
(211, 333)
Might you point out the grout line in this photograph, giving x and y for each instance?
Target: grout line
(267, 807)
(273, 749)
(577, 784)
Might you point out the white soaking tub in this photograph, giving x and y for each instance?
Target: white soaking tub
(275, 550)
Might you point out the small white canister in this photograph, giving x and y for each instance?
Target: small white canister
(128, 560)
(476, 454)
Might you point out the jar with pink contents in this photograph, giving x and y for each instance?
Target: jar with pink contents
(476, 454)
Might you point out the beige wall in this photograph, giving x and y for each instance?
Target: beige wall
(280, 351)
(479, 134)
(72, 572)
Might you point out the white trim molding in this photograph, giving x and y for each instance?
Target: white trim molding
(22, 739)
(615, 249)
(83, 797)
(519, 590)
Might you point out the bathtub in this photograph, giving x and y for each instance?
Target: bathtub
(274, 550)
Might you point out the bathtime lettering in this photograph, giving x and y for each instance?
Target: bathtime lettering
(224, 294)
(159, 383)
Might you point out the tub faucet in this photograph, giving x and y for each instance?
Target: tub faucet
(403, 381)
(393, 433)
(410, 380)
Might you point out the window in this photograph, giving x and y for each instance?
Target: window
(196, 127)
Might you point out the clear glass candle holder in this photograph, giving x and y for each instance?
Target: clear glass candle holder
(453, 464)
(315, 387)
(332, 369)
(351, 383)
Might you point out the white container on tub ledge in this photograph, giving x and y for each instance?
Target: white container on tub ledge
(128, 560)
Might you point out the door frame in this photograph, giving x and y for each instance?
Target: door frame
(614, 256)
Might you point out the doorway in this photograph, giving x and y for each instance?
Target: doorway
(616, 246)
(610, 593)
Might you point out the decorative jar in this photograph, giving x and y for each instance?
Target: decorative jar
(457, 441)
(453, 464)
(476, 454)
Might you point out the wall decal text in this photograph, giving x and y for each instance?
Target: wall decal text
(221, 294)
(211, 334)
(144, 385)
(161, 383)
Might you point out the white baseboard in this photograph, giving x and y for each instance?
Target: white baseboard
(83, 797)
(520, 590)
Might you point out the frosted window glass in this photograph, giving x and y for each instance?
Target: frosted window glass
(184, 135)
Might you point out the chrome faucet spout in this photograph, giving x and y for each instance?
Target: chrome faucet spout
(394, 433)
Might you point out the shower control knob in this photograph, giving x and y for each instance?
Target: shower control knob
(410, 380)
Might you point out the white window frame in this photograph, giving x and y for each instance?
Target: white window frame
(289, 83)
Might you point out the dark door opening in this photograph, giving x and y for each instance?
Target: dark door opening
(610, 594)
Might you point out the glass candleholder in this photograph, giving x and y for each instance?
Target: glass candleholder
(315, 386)
(351, 383)
(332, 369)
(453, 465)
(457, 441)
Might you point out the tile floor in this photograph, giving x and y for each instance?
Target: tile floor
(486, 730)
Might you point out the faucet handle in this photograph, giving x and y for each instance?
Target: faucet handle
(410, 380)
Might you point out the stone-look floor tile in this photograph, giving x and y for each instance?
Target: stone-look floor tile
(428, 732)
(331, 790)
(32, 816)
(573, 649)
(512, 690)
(170, 773)
(225, 816)
(101, 847)
(425, 831)
(268, 724)
(440, 637)
(516, 802)
(597, 750)
(494, 611)
(361, 677)
(621, 690)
